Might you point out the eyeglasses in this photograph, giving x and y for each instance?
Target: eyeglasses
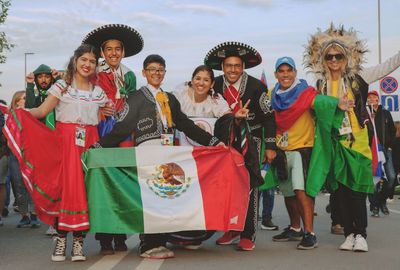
(338, 57)
(154, 71)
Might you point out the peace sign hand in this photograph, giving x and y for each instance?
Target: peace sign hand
(243, 112)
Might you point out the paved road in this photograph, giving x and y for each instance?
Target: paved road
(26, 249)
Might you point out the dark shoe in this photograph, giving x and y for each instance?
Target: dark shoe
(106, 248)
(267, 224)
(5, 212)
(24, 222)
(59, 249)
(328, 208)
(384, 209)
(309, 241)
(34, 221)
(375, 212)
(120, 245)
(77, 250)
(288, 234)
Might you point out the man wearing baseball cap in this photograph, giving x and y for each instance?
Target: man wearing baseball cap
(381, 126)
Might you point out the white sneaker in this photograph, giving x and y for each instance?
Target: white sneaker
(160, 252)
(360, 244)
(51, 231)
(348, 244)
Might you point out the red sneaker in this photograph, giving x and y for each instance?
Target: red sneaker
(228, 238)
(246, 244)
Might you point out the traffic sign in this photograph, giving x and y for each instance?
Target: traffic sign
(389, 85)
(390, 103)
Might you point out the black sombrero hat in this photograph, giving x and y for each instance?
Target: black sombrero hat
(250, 56)
(132, 40)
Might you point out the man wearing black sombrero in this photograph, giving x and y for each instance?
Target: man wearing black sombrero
(236, 85)
(114, 41)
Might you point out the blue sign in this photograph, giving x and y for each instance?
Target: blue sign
(389, 85)
(390, 103)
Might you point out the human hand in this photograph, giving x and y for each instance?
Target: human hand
(30, 78)
(269, 156)
(345, 104)
(108, 109)
(243, 112)
(55, 73)
(222, 144)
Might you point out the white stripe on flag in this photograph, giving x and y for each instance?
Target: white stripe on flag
(184, 212)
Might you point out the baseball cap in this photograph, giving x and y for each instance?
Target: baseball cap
(285, 60)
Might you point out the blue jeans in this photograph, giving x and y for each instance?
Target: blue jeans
(22, 195)
(389, 169)
(268, 198)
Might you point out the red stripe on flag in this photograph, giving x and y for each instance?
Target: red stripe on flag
(225, 189)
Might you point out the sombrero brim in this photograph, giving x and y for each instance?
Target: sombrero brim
(250, 56)
(132, 40)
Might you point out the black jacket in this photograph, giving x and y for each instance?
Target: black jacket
(385, 128)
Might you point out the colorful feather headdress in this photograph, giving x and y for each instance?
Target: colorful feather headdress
(354, 50)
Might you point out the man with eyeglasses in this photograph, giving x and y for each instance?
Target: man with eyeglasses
(153, 116)
(114, 41)
(236, 86)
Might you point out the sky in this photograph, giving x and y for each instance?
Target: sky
(183, 31)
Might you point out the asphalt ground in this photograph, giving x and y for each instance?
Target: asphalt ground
(26, 248)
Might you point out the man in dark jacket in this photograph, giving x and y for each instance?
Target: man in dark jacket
(236, 86)
(381, 123)
(43, 77)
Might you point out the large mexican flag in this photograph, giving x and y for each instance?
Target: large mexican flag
(154, 189)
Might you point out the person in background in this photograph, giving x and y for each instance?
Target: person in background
(396, 159)
(38, 83)
(4, 151)
(381, 125)
(24, 201)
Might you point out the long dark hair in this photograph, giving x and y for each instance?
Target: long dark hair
(71, 68)
(208, 70)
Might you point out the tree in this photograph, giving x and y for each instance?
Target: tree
(4, 44)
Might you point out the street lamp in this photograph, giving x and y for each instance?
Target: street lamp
(27, 53)
(379, 32)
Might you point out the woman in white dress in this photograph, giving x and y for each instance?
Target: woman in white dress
(51, 159)
(198, 99)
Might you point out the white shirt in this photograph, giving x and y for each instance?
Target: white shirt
(77, 106)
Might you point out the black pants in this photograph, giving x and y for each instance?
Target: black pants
(109, 237)
(250, 225)
(335, 209)
(354, 211)
(152, 240)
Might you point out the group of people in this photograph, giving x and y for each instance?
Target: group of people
(310, 136)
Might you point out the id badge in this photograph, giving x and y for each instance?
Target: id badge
(346, 126)
(167, 139)
(80, 136)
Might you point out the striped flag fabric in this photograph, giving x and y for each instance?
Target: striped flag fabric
(263, 78)
(157, 189)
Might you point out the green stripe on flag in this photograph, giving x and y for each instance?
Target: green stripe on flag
(113, 191)
(332, 161)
